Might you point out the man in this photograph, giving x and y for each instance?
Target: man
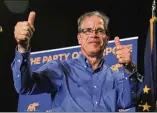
(83, 84)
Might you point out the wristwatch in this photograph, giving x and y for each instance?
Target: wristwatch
(131, 67)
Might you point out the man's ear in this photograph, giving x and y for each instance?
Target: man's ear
(107, 39)
(79, 38)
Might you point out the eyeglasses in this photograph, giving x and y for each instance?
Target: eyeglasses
(90, 31)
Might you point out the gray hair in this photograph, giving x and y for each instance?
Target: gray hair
(93, 13)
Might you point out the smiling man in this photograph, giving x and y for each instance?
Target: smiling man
(82, 84)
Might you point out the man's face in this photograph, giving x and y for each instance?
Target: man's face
(93, 38)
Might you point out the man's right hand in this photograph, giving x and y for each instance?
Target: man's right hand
(24, 31)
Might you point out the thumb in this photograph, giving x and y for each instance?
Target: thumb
(117, 41)
(31, 18)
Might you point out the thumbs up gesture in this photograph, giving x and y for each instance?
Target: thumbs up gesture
(122, 52)
(23, 32)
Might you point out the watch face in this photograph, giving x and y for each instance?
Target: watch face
(134, 68)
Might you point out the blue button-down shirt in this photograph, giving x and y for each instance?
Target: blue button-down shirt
(78, 86)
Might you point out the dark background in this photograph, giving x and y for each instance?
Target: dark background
(56, 27)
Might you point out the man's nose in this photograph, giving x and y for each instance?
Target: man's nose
(94, 34)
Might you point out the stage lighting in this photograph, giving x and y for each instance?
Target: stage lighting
(17, 6)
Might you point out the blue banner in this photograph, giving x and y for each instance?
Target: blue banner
(43, 102)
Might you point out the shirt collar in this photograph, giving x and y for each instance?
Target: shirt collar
(83, 60)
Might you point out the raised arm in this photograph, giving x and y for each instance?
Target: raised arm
(45, 79)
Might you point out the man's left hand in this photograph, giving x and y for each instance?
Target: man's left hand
(122, 52)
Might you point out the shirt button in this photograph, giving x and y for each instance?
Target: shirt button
(96, 102)
(126, 78)
(94, 86)
(18, 75)
(25, 60)
(85, 66)
(19, 60)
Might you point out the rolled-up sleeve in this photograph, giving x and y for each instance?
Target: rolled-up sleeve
(46, 79)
